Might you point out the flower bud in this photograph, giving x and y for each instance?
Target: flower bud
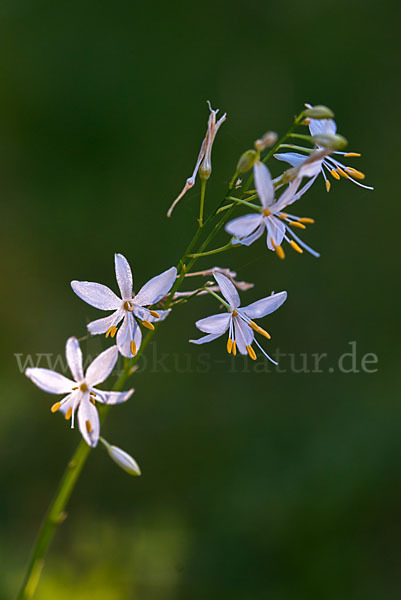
(318, 112)
(205, 169)
(333, 141)
(122, 458)
(246, 161)
(269, 139)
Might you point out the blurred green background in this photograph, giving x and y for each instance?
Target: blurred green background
(255, 485)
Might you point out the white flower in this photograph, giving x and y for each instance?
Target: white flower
(81, 391)
(277, 224)
(333, 166)
(203, 162)
(129, 336)
(239, 321)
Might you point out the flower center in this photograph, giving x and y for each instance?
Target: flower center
(266, 212)
(83, 387)
(128, 306)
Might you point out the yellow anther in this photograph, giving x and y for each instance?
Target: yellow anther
(88, 426)
(266, 212)
(128, 306)
(148, 325)
(154, 314)
(234, 348)
(306, 220)
(342, 173)
(251, 352)
(93, 393)
(282, 216)
(264, 333)
(92, 400)
(350, 154)
(296, 247)
(297, 224)
(133, 348)
(55, 407)
(335, 174)
(75, 388)
(328, 185)
(355, 173)
(229, 345)
(235, 313)
(68, 414)
(254, 326)
(111, 331)
(278, 249)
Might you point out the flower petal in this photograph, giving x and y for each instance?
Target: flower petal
(318, 126)
(87, 413)
(156, 288)
(247, 241)
(124, 276)
(243, 335)
(263, 183)
(73, 354)
(244, 226)
(112, 397)
(128, 332)
(101, 367)
(50, 381)
(96, 294)
(275, 230)
(228, 290)
(206, 338)
(292, 158)
(265, 306)
(102, 325)
(217, 324)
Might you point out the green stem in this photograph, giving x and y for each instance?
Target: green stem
(215, 251)
(219, 298)
(202, 201)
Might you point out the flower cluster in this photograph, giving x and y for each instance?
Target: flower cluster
(133, 313)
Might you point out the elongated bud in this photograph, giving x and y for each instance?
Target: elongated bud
(269, 139)
(333, 141)
(205, 170)
(246, 161)
(122, 458)
(318, 112)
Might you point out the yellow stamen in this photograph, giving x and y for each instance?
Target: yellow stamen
(133, 348)
(148, 325)
(75, 388)
(234, 348)
(264, 333)
(266, 212)
(93, 393)
(278, 249)
(128, 306)
(306, 220)
(251, 352)
(349, 154)
(355, 173)
(235, 313)
(88, 426)
(296, 247)
(55, 407)
(111, 331)
(154, 314)
(342, 173)
(282, 216)
(83, 387)
(335, 174)
(68, 414)
(297, 224)
(328, 185)
(229, 345)
(92, 400)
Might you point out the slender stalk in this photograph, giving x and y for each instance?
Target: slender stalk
(202, 201)
(228, 246)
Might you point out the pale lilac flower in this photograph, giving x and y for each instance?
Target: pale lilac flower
(129, 336)
(203, 163)
(239, 321)
(330, 164)
(271, 218)
(82, 393)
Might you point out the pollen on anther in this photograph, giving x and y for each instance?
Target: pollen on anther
(111, 331)
(133, 348)
(88, 426)
(264, 333)
(355, 173)
(235, 313)
(92, 400)
(55, 407)
(328, 185)
(295, 246)
(342, 173)
(335, 174)
(148, 325)
(234, 348)
(229, 345)
(297, 224)
(280, 252)
(68, 414)
(306, 220)
(154, 314)
(251, 352)
(351, 154)
(266, 212)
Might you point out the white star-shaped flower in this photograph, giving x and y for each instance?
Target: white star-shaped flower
(239, 321)
(82, 393)
(129, 336)
(333, 166)
(278, 224)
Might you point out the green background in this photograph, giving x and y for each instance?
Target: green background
(255, 485)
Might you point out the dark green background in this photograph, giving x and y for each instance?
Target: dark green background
(254, 485)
